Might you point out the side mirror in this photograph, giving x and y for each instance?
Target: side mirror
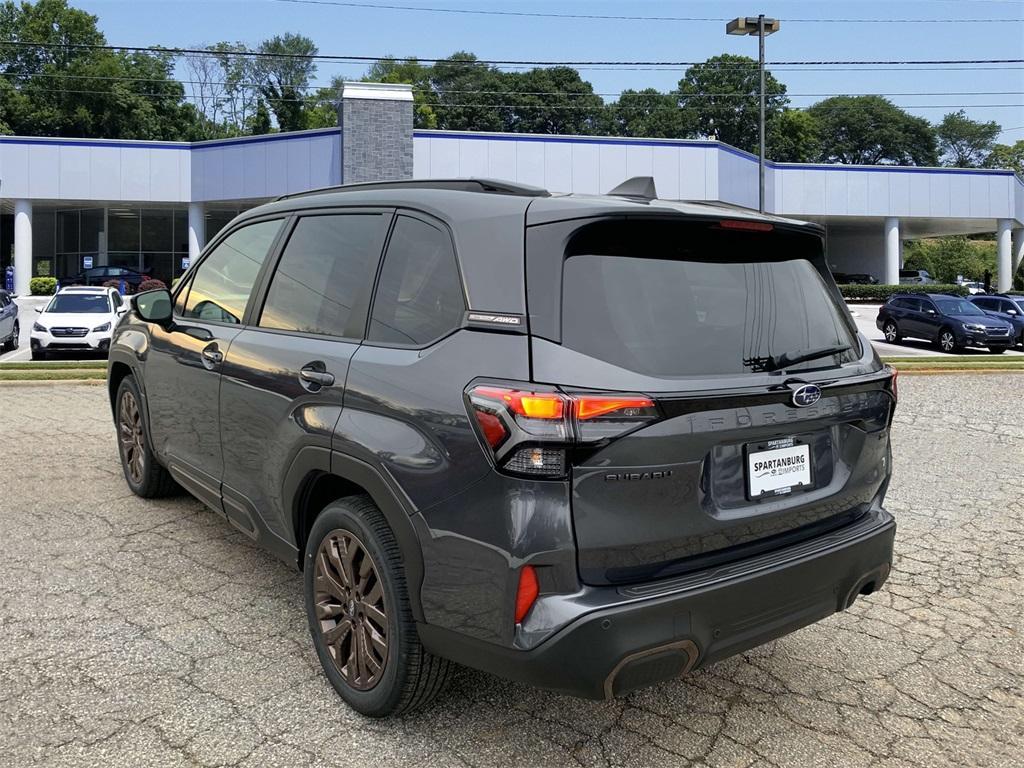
(930, 311)
(39, 310)
(153, 306)
(1011, 312)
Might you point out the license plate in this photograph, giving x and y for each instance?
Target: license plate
(784, 467)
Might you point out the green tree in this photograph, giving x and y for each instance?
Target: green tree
(721, 96)
(553, 100)
(965, 143)
(1007, 156)
(470, 96)
(259, 121)
(794, 136)
(650, 113)
(67, 90)
(947, 258)
(284, 70)
(872, 130)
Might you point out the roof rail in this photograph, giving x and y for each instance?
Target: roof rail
(494, 186)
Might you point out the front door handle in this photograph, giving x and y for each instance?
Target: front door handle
(314, 377)
(212, 356)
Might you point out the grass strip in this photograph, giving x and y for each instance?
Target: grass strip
(65, 375)
(100, 365)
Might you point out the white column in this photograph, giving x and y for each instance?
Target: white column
(196, 229)
(1016, 250)
(22, 246)
(892, 251)
(1005, 277)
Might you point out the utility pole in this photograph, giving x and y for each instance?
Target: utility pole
(762, 27)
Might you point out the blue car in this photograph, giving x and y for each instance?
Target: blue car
(950, 322)
(9, 330)
(1009, 309)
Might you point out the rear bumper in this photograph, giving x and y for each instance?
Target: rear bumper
(658, 631)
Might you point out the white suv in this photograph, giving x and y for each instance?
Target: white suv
(77, 318)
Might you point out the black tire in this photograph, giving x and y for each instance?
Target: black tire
(409, 677)
(11, 342)
(38, 354)
(946, 341)
(891, 331)
(996, 350)
(144, 474)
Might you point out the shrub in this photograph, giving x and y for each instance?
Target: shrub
(947, 257)
(152, 284)
(883, 292)
(112, 284)
(43, 286)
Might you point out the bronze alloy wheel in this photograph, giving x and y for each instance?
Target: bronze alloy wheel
(132, 439)
(350, 609)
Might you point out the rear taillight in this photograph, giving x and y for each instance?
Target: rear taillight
(530, 431)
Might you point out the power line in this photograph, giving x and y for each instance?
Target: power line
(473, 91)
(177, 51)
(609, 17)
(486, 105)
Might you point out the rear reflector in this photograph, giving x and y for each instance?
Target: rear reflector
(494, 431)
(527, 593)
(751, 226)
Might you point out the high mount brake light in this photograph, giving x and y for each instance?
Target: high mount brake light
(530, 431)
(750, 226)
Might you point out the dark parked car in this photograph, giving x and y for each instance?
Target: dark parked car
(856, 278)
(586, 443)
(1009, 309)
(10, 330)
(950, 322)
(101, 275)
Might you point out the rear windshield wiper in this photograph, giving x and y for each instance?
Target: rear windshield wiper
(778, 362)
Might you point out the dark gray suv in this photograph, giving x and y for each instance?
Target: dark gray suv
(586, 443)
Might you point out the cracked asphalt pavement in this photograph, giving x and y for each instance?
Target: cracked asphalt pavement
(137, 633)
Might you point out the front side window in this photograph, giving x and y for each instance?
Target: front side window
(419, 296)
(957, 307)
(224, 281)
(79, 303)
(671, 300)
(327, 264)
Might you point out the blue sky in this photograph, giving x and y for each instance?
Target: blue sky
(373, 32)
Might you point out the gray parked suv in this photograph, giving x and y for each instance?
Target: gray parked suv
(587, 443)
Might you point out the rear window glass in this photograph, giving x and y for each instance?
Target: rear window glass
(702, 303)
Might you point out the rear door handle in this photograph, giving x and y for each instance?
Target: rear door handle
(314, 377)
(212, 356)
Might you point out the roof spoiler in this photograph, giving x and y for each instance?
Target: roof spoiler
(638, 187)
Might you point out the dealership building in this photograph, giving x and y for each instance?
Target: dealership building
(68, 204)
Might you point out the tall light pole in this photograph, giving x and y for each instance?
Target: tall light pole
(762, 27)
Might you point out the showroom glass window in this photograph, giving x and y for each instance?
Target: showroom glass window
(224, 281)
(325, 269)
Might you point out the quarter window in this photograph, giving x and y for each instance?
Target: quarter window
(325, 268)
(223, 282)
(419, 295)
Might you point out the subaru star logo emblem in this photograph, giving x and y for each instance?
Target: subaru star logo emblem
(806, 395)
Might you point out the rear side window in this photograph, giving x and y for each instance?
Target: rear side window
(222, 284)
(325, 268)
(419, 295)
(690, 300)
